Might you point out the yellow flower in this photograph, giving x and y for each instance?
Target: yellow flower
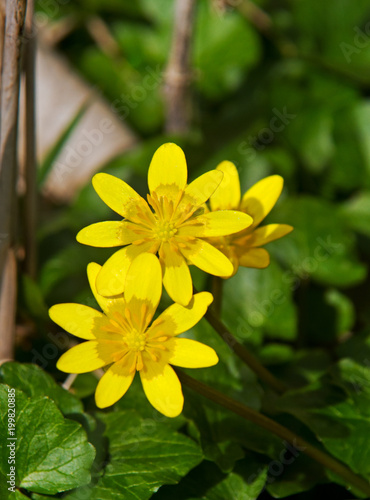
(121, 337)
(244, 248)
(175, 227)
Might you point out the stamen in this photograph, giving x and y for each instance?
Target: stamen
(152, 355)
(140, 242)
(143, 313)
(161, 339)
(127, 313)
(139, 362)
(133, 366)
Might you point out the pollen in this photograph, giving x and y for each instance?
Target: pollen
(136, 341)
(165, 230)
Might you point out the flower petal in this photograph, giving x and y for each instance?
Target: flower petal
(111, 279)
(208, 258)
(162, 388)
(227, 195)
(90, 356)
(82, 321)
(143, 285)
(114, 383)
(108, 305)
(177, 319)
(199, 191)
(118, 195)
(191, 354)
(168, 168)
(255, 257)
(265, 234)
(260, 198)
(221, 223)
(176, 275)
(107, 234)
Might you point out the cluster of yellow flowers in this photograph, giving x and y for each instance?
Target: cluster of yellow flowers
(161, 237)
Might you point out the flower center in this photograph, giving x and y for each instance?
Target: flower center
(135, 341)
(165, 230)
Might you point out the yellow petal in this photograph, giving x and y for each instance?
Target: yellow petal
(108, 305)
(118, 195)
(255, 257)
(199, 191)
(260, 198)
(162, 388)
(114, 383)
(227, 195)
(219, 223)
(111, 279)
(168, 168)
(191, 354)
(81, 321)
(176, 275)
(107, 234)
(265, 234)
(208, 258)
(178, 319)
(90, 356)
(143, 286)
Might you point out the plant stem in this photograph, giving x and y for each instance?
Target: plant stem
(30, 201)
(244, 354)
(10, 77)
(67, 384)
(178, 72)
(217, 287)
(275, 428)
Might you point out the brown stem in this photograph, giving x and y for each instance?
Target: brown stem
(14, 20)
(30, 200)
(2, 34)
(103, 38)
(275, 428)
(8, 300)
(258, 17)
(178, 72)
(217, 288)
(244, 354)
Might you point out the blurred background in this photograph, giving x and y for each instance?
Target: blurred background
(277, 87)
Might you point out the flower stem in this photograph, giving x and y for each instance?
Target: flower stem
(244, 354)
(275, 428)
(217, 287)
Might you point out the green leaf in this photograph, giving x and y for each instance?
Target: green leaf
(314, 143)
(345, 310)
(207, 482)
(52, 453)
(337, 410)
(220, 70)
(357, 347)
(356, 212)
(362, 117)
(144, 455)
(348, 167)
(235, 487)
(320, 246)
(33, 298)
(20, 496)
(256, 300)
(35, 382)
(294, 475)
